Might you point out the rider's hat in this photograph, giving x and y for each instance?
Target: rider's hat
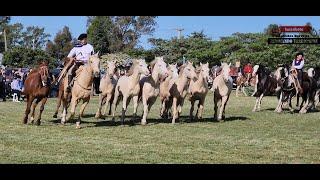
(82, 36)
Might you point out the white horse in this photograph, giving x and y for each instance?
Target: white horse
(222, 86)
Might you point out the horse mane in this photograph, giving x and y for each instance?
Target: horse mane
(152, 63)
(181, 68)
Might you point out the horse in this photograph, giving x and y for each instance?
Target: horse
(179, 89)
(243, 81)
(81, 89)
(150, 86)
(36, 87)
(61, 93)
(107, 85)
(315, 73)
(307, 90)
(198, 89)
(286, 83)
(165, 86)
(266, 84)
(222, 86)
(128, 87)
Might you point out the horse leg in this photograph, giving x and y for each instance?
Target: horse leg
(83, 106)
(124, 108)
(29, 102)
(215, 101)
(181, 102)
(33, 109)
(145, 111)
(107, 104)
(297, 104)
(222, 106)
(116, 101)
(55, 115)
(191, 109)
(200, 108)
(74, 103)
(135, 106)
(259, 105)
(162, 109)
(65, 109)
(98, 113)
(279, 106)
(255, 105)
(43, 102)
(175, 113)
(237, 91)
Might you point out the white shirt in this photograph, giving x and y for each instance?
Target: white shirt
(298, 66)
(82, 53)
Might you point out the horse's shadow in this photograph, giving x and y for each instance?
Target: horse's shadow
(130, 121)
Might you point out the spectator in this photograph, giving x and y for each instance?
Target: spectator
(16, 86)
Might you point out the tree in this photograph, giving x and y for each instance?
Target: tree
(118, 33)
(99, 33)
(26, 57)
(61, 45)
(273, 30)
(34, 37)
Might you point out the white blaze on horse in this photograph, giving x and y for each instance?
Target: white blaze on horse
(107, 86)
(150, 85)
(128, 87)
(198, 89)
(222, 86)
(81, 89)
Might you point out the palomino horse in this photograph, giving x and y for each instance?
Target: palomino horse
(165, 86)
(107, 85)
(37, 87)
(128, 87)
(81, 89)
(60, 92)
(266, 85)
(179, 89)
(150, 85)
(222, 86)
(198, 89)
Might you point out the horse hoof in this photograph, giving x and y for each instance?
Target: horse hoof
(54, 116)
(253, 110)
(38, 123)
(97, 116)
(143, 123)
(78, 127)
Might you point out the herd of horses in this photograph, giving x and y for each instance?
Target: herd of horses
(171, 83)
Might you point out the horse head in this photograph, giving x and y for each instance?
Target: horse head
(141, 66)
(44, 73)
(205, 72)
(311, 72)
(160, 67)
(111, 65)
(173, 70)
(225, 71)
(189, 71)
(94, 62)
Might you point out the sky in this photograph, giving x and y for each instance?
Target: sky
(213, 26)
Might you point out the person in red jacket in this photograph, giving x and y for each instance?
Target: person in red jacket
(247, 70)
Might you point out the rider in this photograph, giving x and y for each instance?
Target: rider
(298, 64)
(80, 54)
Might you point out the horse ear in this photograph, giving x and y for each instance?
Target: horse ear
(97, 54)
(229, 64)
(200, 64)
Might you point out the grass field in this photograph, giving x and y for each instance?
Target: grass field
(245, 137)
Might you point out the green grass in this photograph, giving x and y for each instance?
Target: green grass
(246, 137)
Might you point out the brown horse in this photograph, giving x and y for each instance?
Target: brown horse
(37, 87)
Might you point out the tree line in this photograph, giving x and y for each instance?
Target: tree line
(121, 35)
